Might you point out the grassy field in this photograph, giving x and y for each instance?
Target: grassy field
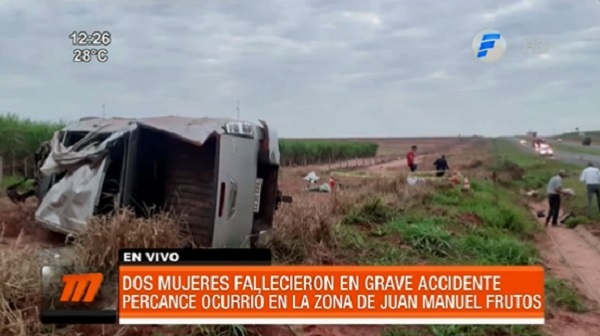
(383, 221)
(575, 137)
(489, 226)
(594, 150)
(441, 225)
(538, 170)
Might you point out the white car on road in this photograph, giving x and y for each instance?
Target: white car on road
(545, 150)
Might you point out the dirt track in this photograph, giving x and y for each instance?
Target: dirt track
(572, 255)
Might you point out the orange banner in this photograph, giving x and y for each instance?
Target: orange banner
(331, 294)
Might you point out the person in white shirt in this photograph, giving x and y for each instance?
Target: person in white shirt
(554, 189)
(591, 177)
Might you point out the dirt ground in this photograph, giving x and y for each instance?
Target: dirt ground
(567, 254)
(18, 228)
(293, 184)
(572, 255)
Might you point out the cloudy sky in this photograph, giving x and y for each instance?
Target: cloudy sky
(312, 68)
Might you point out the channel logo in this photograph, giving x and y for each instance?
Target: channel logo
(81, 287)
(489, 45)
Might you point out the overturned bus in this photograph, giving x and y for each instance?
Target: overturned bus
(220, 175)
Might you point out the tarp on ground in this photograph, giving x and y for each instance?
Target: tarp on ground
(311, 177)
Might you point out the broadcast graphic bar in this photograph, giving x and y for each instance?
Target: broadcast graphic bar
(188, 294)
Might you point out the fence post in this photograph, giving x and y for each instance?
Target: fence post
(1, 169)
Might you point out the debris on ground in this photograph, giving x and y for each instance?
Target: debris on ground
(531, 193)
(566, 217)
(466, 185)
(412, 180)
(324, 188)
(311, 178)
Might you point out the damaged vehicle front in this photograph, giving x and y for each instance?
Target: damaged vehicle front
(220, 175)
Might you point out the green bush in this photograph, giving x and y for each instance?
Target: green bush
(430, 238)
(373, 211)
(21, 137)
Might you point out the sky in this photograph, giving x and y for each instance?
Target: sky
(310, 68)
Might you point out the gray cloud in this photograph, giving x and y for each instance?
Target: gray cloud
(310, 67)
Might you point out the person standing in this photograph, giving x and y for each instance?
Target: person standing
(591, 177)
(410, 159)
(441, 165)
(554, 190)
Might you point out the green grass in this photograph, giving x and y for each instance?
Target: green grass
(10, 180)
(560, 294)
(537, 172)
(574, 136)
(594, 150)
(489, 226)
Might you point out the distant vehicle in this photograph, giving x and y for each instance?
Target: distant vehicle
(587, 141)
(545, 150)
(559, 140)
(523, 142)
(536, 143)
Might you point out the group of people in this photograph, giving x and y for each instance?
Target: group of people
(441, 164)
(590, 176)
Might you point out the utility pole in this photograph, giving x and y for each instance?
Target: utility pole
(238, 109)
(103, 111)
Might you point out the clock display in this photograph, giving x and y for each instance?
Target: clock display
(95, 39)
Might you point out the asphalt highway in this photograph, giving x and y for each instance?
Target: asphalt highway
(565, 156)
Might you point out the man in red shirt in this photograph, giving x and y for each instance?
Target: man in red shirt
(410, 159)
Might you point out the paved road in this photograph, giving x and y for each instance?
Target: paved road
(569, 157)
